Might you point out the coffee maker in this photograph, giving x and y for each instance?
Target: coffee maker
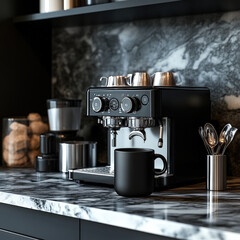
(143, 115)
(64, 116)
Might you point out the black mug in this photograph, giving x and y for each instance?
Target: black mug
(134, 171)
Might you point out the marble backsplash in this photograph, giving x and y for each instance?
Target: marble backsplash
(202, 50)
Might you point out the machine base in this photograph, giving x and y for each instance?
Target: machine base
(105, 175)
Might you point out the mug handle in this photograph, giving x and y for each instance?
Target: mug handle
(152, 78)
(152, 75)
(129, 79)
(158, 173)
(106, 83)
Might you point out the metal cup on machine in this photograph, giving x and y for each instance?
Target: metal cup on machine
(139, 79)
(115, 81)
(163, 79)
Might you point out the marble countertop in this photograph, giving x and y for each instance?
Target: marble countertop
(188, 212)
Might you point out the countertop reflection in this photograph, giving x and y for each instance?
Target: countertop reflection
(188, 212)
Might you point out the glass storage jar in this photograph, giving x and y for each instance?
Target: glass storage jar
(21, 140)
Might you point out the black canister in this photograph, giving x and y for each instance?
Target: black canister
(45, 163)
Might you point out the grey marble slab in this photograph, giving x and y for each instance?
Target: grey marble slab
(201, 49)
(188, 212)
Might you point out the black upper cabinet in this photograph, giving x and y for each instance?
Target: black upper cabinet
(127, 11)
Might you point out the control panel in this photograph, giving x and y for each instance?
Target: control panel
(118, 102)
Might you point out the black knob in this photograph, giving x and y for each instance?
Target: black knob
(98, 104)
(129, 104)
(114, 104)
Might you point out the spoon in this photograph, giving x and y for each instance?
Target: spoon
(211, 136)
(201, 132)
(229, 138)
(222, 136)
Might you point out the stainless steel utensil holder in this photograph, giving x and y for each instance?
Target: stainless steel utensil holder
(216, 172)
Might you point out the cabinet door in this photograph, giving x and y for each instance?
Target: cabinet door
(97, 231)
(37, 224)
(6, 235)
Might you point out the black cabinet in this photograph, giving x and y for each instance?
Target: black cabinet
(97, 231)
(32, 224)
(25, 63)
(7, 235)
(18, 223)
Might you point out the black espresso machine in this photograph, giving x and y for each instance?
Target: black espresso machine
(165, 119)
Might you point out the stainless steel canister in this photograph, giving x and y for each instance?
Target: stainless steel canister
(64, 114)
(216, 172)
(77, 154)
(50, 6)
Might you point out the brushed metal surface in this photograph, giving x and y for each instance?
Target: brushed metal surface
(77, 154)
(152, 136)
(64, 119)
(216, 172)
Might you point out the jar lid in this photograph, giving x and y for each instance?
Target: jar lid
(63, 103)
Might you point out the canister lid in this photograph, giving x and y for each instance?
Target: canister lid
(63, 103)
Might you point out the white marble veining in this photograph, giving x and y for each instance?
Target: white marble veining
(183, 213)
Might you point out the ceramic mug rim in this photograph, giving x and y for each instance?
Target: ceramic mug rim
(134, 150)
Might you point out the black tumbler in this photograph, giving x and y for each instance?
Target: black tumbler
(134, 171)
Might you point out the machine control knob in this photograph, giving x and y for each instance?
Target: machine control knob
(129, 104)
(98, 104)
(114, 104)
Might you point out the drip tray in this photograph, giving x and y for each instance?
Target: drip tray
(102, 175)
(105, 175)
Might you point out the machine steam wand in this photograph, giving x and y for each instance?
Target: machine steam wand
(114, 137)
(160, 140)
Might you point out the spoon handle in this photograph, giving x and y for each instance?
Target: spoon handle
(206, 146)
(230, 137)
(200, 130)
(219, 148)
(224, 148)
